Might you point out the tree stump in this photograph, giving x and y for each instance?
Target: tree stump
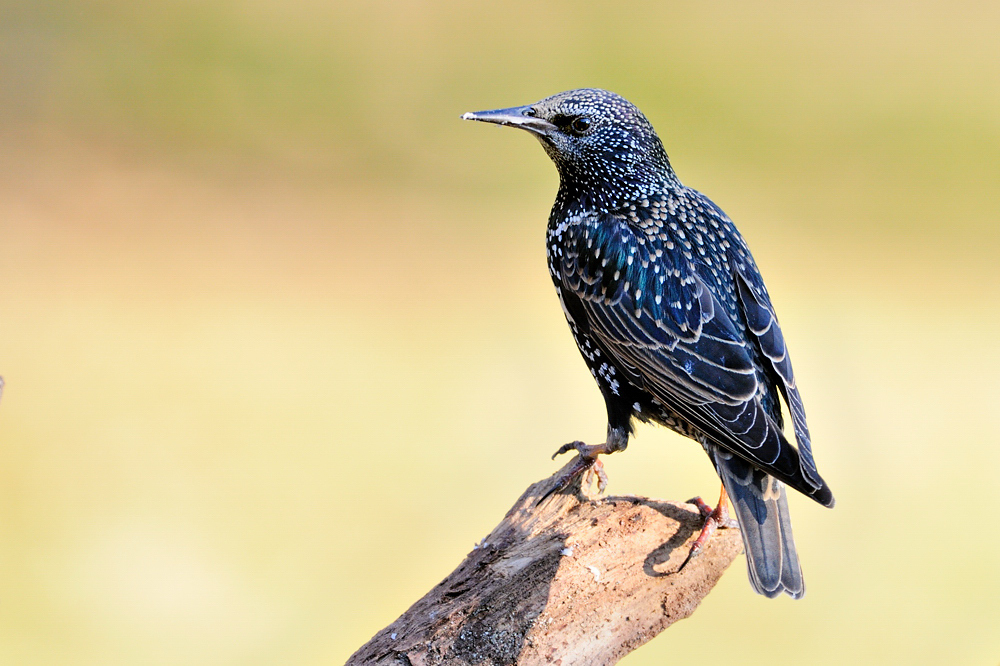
(570, 579)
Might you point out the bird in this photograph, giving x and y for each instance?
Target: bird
(673, 320)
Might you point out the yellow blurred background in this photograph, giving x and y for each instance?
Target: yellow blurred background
(280, 345)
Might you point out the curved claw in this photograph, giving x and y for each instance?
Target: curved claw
(597, 469)
(571, 446)
(714, 519)
(585, 462)
(585, 450)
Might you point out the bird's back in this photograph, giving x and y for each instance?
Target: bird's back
(658, 287)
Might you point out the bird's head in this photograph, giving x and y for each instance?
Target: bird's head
(605, 149)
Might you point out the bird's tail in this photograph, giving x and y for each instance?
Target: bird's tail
(762, 510)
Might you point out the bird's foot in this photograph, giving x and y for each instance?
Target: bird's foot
(586, 462)
(714, 519)
(585, 450)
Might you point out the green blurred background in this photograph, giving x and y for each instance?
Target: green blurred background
(280, 345)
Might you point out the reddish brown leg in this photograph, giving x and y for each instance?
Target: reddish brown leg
(714, 519)
(585, 462)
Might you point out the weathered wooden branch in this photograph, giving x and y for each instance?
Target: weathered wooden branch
(568, 580)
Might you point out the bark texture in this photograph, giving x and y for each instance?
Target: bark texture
(569, 580)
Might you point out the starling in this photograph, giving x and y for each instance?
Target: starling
(673, 319)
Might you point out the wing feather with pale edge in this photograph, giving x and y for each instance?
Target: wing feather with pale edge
(763, 326)
(682, 347)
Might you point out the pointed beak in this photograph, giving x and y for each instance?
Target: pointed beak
(517, 116)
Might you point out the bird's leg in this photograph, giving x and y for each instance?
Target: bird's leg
(714, 519)
(586, 461)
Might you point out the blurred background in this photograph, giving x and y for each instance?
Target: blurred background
(280, 344)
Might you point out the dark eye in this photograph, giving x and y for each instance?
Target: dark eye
(530, 112)
(580, 125)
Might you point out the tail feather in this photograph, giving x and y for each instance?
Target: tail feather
(761, 508)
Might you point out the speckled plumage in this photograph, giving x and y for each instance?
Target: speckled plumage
(671, 314)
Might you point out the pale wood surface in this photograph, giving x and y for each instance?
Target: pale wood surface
(569, 580)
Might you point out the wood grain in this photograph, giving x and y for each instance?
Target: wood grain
(570, 579)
